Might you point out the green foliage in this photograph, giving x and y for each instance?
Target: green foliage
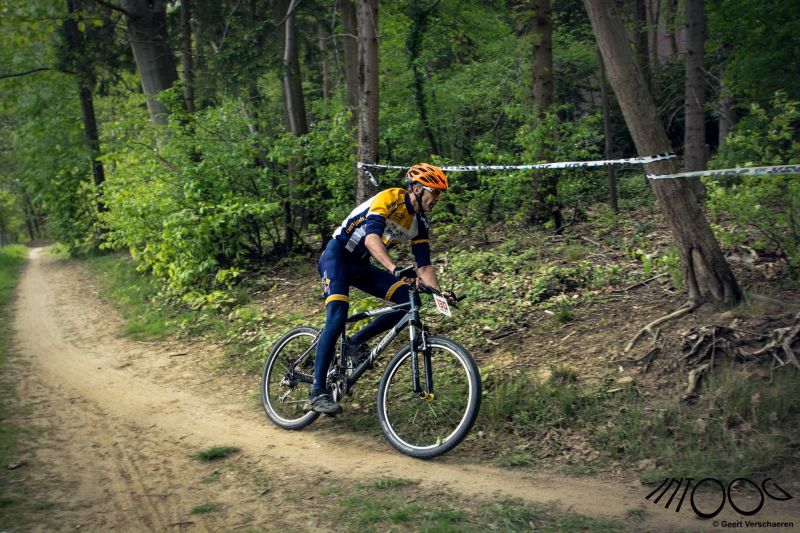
(11, 218)
(763, 211)
(148, 316)
(404, 506)
(759, 55)
(386, 483)
(205, 508)
(215, 453)
(210, 198)
(515, 276)
(207, 209)
(529, 405)
(739, 426)
(12, 499)
(737, 417)
(52, 172)
(664, 263)
(11, 259)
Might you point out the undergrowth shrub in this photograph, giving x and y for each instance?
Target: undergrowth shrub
(742, 424)
(200, 210)
(525, 405)
(761, 211)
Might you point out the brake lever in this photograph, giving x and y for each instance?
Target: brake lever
(452, 295)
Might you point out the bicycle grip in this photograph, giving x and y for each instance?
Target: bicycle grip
(407, 272)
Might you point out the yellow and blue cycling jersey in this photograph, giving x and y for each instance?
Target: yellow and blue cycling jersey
(390, 215)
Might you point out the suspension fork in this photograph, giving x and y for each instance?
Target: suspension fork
(419, 343)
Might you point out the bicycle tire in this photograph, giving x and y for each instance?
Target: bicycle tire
(426, 428)
(278, 382)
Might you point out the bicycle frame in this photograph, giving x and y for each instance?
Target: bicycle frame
(417, 340)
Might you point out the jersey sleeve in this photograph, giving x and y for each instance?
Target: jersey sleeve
(375, 224)
(422, 253)
(420, 245)
(379, 211)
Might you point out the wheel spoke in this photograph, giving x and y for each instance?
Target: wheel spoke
(436, 425)
(283, 391)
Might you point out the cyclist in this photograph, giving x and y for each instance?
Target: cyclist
(392, 215)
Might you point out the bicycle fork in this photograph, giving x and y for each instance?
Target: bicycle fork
(419, 343)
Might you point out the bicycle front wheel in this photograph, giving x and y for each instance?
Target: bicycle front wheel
(287, 378)
(430, 425)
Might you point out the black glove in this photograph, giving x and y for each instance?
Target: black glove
(452, 299)
(407, 272)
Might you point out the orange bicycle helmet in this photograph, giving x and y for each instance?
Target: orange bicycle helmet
(427, 175)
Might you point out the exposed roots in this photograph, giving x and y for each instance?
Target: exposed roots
(779, 345)
(646, 359)
(686, 308)
(704, 346)
(694, 382)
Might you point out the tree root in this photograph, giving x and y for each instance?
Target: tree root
(640, 283)
(780, 343)
(703, 345)
(686, 308)
(647, 358)
(707, 341)
(694, 382)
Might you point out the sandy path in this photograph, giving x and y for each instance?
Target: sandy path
(129, 414)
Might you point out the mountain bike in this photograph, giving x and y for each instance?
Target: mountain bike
(428, 397)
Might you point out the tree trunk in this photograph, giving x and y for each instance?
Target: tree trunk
(324, 66)
(93, 141)
(85, 82)
(368, 94)
(419, 23)
(188, 59)
(640, 34)
(695, 154)
(295, 110)
(294, 101)
(147, 30)
(666, 24)
(544, 205)
(543, 82)
(727, 111)
(31, 218)
(708, 276)
(612, 175)
(652, 10)
(351, 58)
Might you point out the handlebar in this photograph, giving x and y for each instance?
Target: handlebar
(410, 272)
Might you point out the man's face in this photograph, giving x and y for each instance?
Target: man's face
(429, 198)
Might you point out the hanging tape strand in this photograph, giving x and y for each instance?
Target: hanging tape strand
(748, 171)
(564, 164)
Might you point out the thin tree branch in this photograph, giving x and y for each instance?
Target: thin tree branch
(289, 12)
(35, 70)
(225, 31)
(31, 71)
(115, 7)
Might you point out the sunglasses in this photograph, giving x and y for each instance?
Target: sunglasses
(436, 193)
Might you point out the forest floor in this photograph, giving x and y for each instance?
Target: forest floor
(110, 427)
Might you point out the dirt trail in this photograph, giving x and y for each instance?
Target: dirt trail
(127, 415)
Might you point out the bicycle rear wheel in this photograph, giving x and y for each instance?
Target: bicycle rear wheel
(424, 427)
(287, 378)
